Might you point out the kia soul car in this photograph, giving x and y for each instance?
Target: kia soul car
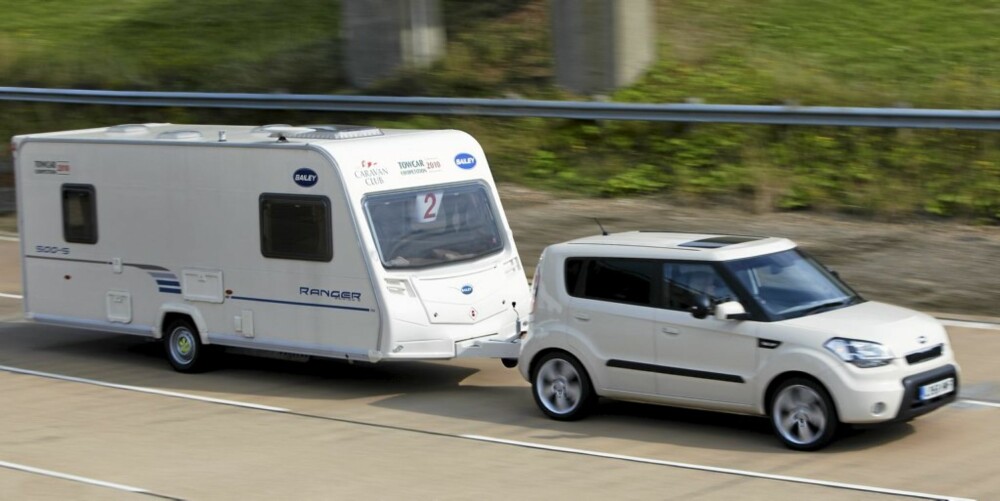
(738, 324)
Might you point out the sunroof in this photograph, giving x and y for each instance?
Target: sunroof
(716, 242)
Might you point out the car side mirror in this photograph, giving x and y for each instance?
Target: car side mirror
(731, 310)
(701, 306)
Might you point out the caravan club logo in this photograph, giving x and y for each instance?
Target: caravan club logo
(465, 161)
(305, 177)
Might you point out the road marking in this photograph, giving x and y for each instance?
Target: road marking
(980, 402)
(141, 389)
(481, 438)
(712, 469)
(84, 480)
(972, 325)
(11, 296)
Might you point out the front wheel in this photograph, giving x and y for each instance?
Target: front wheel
(802, 415)
(184, 349)
(562, 388)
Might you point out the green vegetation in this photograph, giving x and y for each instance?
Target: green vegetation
(919, 53)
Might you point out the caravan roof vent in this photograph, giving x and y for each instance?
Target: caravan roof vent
(339, 132)
(129, 129)
(180, 135)
(266, 130)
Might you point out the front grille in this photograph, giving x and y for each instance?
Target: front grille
(923, 356)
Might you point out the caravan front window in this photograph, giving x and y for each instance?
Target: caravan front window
(433, 225)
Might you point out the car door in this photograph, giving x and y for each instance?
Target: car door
(613, 307)
(702, 359)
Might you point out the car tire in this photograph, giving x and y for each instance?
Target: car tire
(185, 352)
(802, 415)
(561, 387)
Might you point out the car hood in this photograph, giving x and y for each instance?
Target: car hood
(902, 330)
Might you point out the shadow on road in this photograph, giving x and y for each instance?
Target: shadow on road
(450, 392)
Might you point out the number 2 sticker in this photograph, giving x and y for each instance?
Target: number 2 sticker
(427, 206)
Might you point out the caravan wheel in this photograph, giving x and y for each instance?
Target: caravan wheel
(184, 349)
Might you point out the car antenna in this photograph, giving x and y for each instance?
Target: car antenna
(604, 232)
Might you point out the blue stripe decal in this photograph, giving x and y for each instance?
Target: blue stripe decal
(170, 290)
(157, 274)
(168, 283)
(294, 303)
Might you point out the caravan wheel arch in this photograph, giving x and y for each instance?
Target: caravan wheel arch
(170, 309)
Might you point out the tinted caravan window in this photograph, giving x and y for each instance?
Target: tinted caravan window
(79, 211)
(295, 227)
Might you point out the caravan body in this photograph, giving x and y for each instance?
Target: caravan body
(343, 242)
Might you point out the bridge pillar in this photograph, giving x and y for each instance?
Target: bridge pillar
(600, 45)
(383, 36)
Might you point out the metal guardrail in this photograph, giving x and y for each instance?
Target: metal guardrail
(706, 113)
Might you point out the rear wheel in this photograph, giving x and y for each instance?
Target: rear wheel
(562, 388)
(184, 349)
(802, 415)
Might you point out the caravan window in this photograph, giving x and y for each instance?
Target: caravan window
(79, 211)
(295, 227)
(433, 225)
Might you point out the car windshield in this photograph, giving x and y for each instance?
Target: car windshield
(433, 225)
(790, 284)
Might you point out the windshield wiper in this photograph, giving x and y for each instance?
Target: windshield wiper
(830, 305)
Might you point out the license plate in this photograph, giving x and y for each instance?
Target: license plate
(936, 389)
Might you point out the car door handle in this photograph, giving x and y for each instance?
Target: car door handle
(583, 317)
(673, 331)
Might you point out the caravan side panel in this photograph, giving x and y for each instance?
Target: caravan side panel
(181, 224)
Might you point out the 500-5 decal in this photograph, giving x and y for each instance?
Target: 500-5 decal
(51, 249)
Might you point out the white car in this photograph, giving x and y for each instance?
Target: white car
(739, 324)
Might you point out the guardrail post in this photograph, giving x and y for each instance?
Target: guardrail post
(600, 45)
(382, 36)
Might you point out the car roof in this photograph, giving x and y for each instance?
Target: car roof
(674, 245)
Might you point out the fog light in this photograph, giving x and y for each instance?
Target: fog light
(878, 408)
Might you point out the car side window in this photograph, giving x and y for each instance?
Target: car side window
(683, 282)
(630, 281)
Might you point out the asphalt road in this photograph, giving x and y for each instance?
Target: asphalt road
(91, 415)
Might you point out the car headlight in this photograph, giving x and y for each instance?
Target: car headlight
(863, 354)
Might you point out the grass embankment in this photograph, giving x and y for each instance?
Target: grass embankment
(919, 53)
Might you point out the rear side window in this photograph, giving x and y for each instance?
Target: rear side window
(296, 227)
(630, 281)
(79, 212)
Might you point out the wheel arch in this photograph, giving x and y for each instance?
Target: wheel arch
(173, 311)
(777, 381)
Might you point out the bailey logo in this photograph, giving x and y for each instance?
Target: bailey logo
(465, 161)
(305, 177)
(466, 289)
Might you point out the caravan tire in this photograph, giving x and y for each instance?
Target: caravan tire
(184, 349)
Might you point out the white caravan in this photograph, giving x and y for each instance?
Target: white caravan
(334, 241)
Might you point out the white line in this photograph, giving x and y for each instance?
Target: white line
(713, 469)
(141, 389)
(75, 478)
(972, 325)
(9, 239)
(980, 402)
(11, 296)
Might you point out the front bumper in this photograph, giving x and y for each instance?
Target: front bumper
(872, 398)
(911, 405)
